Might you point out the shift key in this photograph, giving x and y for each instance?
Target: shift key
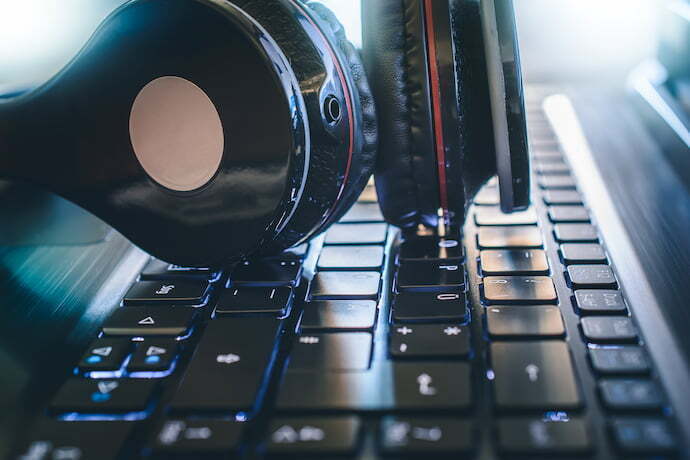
(228, 368)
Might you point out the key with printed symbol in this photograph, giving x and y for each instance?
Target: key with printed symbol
(513, 262)
(429, 341)
(334, 351)
(184, 292)
(197, 438)
(157, 270)
(519, 290)
(146, 321)
(599, 301)
(637, 436)
(229, 365)
(432, 386)
(426, 435)
(535, 375)
(591, 276)
(429, 247)
(338, 315)
(103, 396)
(313, 436)
(631, 394)
(612, 329)
(620, 360)
(524, 321)
(153, 356)
(430, 275)
(105, 354)
(350, 285)
(267, 272)
(525, 436)
(429, 306)
(248, 300)
(509, 237)
(582, 253)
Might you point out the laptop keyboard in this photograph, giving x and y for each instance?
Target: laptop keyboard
(515, 342)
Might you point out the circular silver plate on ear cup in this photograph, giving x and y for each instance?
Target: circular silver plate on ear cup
(176, 133)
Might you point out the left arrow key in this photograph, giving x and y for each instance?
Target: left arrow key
(105, 354)
(150, 321)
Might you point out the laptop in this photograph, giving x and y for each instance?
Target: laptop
(558, 331)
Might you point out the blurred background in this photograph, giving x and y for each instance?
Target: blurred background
(561, 39)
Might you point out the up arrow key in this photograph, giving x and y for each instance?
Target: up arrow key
(147, 320)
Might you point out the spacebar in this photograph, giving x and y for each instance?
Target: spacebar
(230, 365)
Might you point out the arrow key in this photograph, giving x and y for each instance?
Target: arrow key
(103, 396)
(153, 356)
(105, 354)
(147, 321)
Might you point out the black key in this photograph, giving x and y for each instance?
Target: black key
(575, 233)
(105, 355)
(153, 356)
(313, 436)
(267, 272)
(103, 396)
(565, 182)
(432, 385)
(591, 276)
(351, 258)
(636, 436)
(247, 300)
(568, 214)
(427, 435)
(525, 321)
(338, 315)
(157, 270)
(430, 307)
(514, 262)
(509, 237)
(430, 275)
(519, 290)
(620, 360)
(145, 321)
(612, 329)
(552, 197)
(582, 253)
(334, 351)
(534, 375)
(429, 341)
(345, 285)
(492, 216)
(552, 169)
(542, 436)
(356, 234)
(599, 301)
(363, 212)
(228, 367)
(198, 438)
(429, 247)
(184, 292)
(631, 394)
(102, 440)
(487, 196)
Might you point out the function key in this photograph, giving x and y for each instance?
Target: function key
(147, 321)
(348, 285)
(534, 375)
(637, 436)
(185, 292)
(552, 197)
(519, 290)
(575, 233)
(631, 394)
(429, 341)
(620, 360)
(363, 212)
(351, 258)
(533, 436)
(267, 272)
(582, 253)
(356, 234)
(552, 168)
(338, 315)
(429, 247)
(487, 196)
(430, 275)
(525, 321)
(599, 301)
(334, 351)
(198, 438)
(105, 354)
(492, 216)
(611, 329)
(432, 385)
(591, 276)
(565, 182)
(320, 437)
(103, 396)
(426, 435)
(429, 306)
(514, 262)
(509, 237)
(153, 356)
(247, 300)
(565, 214)
(157, 270)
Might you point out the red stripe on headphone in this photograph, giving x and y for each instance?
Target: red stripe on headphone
(436, 108)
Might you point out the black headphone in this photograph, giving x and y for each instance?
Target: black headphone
(207, 130)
